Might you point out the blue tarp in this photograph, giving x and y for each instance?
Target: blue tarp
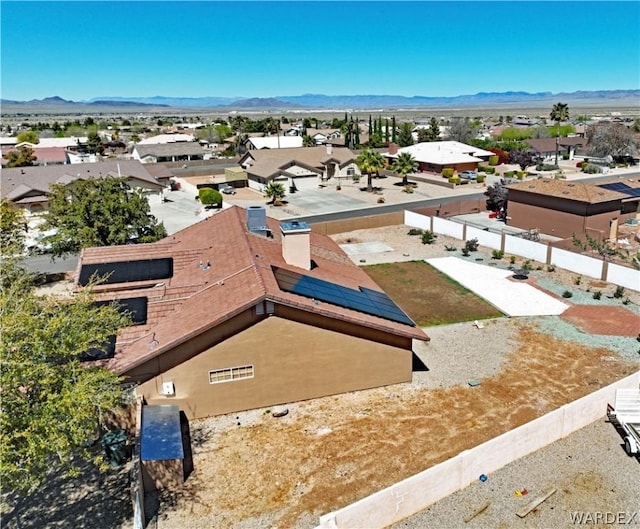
(161, 435)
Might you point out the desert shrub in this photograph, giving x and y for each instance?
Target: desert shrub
(565, 156)
(447, 172)
(591, 169)
(546, 167)
(408, 189)
(465, 251)
(454, 180)
(521, 174)
(512, 259)
(509, 174)
(619, 292)
(380, 200)
(567, 294)
(472, 245)
(486, 169)
(450, 248)
(415, 231)
(579, 165)
(209, 197)
(494, 160)
(577, 280)
(597, 294)
(355, 178)
(428, 237)
(551, 268)
(527, 265)
(480, 178)
(497, 254)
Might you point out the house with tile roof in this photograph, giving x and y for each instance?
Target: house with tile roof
(169, 152)
(434, 156)
(563, 208)
(240, 312)
(255, 143)
(304, 167)
(546, 147)
(29, 187)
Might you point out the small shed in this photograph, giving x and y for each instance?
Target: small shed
(161, 447)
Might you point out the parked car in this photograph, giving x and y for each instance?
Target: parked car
(468, 175)
(227, 189)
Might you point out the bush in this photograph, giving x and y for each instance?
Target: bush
(494, 160)
(486, 169)
(408, 189)
(415, 231)
(521, 174)
(577, 280)
(546, 167)
(565, 156)
(447, 172)
(428, 237)
(450, 248)
(480, 178)
(210, 197)
(591, 168)
(455, 180)
(509, 174)
(597, 294)
(465, 251)
(512, 259)
(497, 254)
(551, 268)
(567, 294)
(579, 165)
(472, 245)
(619, 292)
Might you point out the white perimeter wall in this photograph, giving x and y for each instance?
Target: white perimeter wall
(574, 262)
(416, 493)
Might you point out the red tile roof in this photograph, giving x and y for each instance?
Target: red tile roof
(240, 275)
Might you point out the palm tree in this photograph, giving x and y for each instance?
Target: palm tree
(405, 163)
(559, 112)
(369, 162)
(275, 192)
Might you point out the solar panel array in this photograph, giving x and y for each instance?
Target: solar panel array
(127, 271)
(363, 300)
(622, 188)
(135, 307)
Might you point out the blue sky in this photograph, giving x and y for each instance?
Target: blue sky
(80, 50)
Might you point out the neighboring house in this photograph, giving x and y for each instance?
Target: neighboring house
(434, 156)
(44, 156)
(29, 187)
(562, 208)
(71, 143)
(273, 142)
(324, 136)
(304, 167)
(240, 312)
(169, 152)
(546, 147)
(167, 138)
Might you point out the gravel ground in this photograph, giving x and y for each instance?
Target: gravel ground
(590, 470)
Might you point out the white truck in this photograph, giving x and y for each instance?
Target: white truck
(626, 414)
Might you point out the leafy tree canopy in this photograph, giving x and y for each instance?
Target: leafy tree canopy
(460, 130)
(30, 136)
(99, 212)
(52, 404)
(20, 157)
(405, 137)
(523, 158)
(12, 229)
(370, 162)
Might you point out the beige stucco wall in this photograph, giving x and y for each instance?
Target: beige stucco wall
(292, 361)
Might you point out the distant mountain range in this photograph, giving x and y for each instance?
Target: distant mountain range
(321, 101)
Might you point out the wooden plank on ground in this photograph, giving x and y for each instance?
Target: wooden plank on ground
(546, 494)
(475, 513)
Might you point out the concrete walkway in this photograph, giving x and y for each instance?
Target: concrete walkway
(492, 284)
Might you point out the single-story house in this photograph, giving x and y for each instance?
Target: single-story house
(240, 311)
(434, 156)
(169, 152)
(29, 187)
(303, 167)
(44, 155)
(167, 138)
(563, 208)
(546, 147)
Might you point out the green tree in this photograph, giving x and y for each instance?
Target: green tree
(308, 141)
(94, 143)
(369, 162)
(386, 131)
(52, 403)
(135, 138)
(20, 157)
(393, 129)
(559, 113)
(210, 197)
(222, 132)
(275, 192)
(523, 158)
(405, 138)
(12, 229)
(99, 212)
(434, 130)
(405, 163)
(30, 136)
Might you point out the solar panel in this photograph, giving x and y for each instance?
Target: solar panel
(128, 271)
(615, 186)
(135, 307)
(107, 350)
(363, 300)
(161, 433)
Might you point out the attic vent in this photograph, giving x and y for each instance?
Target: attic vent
(565, 192)
(571, 185)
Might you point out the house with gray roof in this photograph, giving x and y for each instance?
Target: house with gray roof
(29, 187)
(169, 152)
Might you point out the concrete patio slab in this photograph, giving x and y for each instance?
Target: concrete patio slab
(365, 248)
(492, 284)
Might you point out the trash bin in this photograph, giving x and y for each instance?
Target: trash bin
(115, 447)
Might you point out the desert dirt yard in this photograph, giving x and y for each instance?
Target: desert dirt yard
(254, 470)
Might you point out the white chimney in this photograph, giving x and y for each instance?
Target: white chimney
(296, 244)
(329, 149)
